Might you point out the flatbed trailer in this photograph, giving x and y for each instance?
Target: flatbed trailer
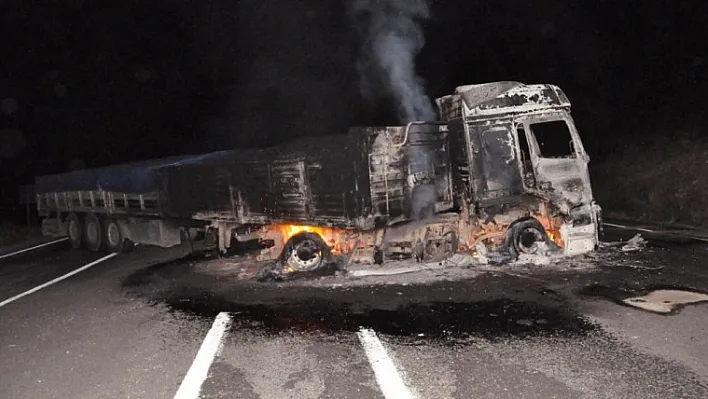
(503, 167)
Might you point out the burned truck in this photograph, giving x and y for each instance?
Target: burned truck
(502, 170)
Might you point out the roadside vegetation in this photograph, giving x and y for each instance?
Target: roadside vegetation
(664, 181)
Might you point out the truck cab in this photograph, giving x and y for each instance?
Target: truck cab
(514, 144)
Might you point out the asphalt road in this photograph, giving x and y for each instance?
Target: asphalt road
(153, 323)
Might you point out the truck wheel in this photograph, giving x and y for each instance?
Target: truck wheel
(113, 239)
(305, 252)
(93, 236)
(525, 235)
(74, 230)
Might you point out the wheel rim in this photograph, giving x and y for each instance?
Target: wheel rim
(528, 240)
(306, 255)
(113, 234)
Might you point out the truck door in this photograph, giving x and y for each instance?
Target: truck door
(496, 177)
(558, 158)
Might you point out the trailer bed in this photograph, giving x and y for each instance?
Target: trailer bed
(345, 181)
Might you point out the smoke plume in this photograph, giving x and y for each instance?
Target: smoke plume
(391, 39)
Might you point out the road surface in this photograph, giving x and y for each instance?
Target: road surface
(152, 324)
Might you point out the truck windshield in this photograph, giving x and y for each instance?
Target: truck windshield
(554, 139)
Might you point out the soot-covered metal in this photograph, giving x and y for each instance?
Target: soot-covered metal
(356, 180)
(458, 182)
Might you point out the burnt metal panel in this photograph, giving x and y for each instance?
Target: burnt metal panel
(496, 178)
(499, 98)
(387, 177)
(308, 181)
(345, 181)
(386, 171)
(459, 162)
(399, 161)
(360, 204)
(291, 185)
(429, 153)
(197, 188)
(252, 191)
(330, 191)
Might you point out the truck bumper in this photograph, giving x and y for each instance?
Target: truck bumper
(583, 238)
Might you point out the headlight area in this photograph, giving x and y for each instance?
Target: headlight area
(580, 234)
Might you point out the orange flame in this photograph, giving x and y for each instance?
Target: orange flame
(551, 224)
(493, 234)
(331, 236)
(552, 231)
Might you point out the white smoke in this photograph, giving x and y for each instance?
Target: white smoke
(392, 38)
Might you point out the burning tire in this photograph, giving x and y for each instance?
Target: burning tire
(306, 252)
(74, 230)
(526, 236)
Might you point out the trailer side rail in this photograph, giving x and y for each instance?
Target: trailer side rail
(100, 202)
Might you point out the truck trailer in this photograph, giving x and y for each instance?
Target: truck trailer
(501, 170)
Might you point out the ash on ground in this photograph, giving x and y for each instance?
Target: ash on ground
(460, 266)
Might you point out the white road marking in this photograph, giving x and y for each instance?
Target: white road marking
(671, 233)
(56, 280)
(634, 228)
(197, 374)
(390, 381)
(32, 248)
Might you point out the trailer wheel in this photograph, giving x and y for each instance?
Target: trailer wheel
(525, 236)
(74, 230)
(113, 239)
(93, 236)
(305, 252)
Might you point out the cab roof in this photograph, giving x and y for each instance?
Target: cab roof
(496, 98)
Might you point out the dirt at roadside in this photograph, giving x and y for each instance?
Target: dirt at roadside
(13, 236)
(661, 182)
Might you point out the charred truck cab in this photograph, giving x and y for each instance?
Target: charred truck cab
(519, 162)
(501, 173)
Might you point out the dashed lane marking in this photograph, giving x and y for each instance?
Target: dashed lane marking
(619, 226)
(198, 372)
(387, 376)
(32, 248)
(56, 280)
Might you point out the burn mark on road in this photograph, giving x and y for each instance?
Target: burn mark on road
(449, 312)
(488, 306)
(435, 320)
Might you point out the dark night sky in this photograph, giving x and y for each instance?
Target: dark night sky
(114, 81)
